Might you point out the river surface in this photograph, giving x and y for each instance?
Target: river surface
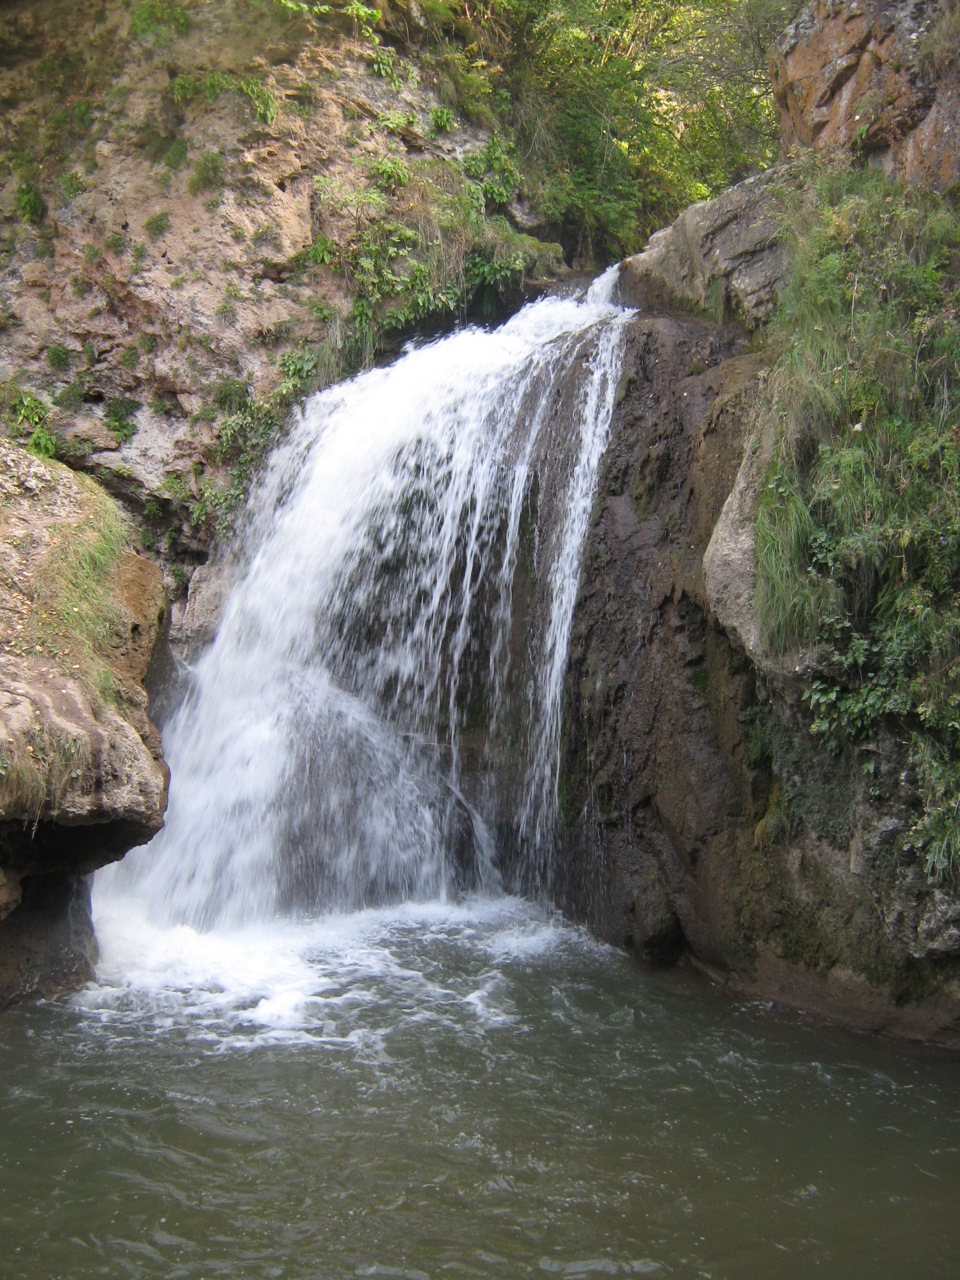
(472, 1090)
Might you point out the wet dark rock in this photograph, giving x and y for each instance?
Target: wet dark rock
(698, 811)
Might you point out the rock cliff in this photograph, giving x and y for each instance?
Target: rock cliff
(700, 812)
(878, 80)
(201, 215)
(82, 778)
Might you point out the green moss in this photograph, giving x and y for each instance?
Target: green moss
(208, 173)
(210, 84)
(700, 681)
(157, 225)
(175, 155)
(119, 411)
(58, 358)
(158, 20)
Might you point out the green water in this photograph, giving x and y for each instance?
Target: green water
(456, 1092)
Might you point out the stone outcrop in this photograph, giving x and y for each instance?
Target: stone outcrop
(721, 256)
(858, 77)
(187, 261)
(701, 812)
(82, 779)
(698, 811)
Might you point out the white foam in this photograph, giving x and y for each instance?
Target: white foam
(345, 981)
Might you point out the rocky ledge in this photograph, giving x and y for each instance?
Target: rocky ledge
(82, 779)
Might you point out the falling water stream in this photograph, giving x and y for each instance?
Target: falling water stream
(326, 1038)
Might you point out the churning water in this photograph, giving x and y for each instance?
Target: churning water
(324, 1042)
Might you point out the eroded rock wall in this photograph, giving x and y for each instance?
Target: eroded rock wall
(82, 778)
(203, 197)
(699, 812)
(867, 77)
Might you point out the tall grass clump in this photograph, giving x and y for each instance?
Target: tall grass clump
(77, 607)
(858, 528)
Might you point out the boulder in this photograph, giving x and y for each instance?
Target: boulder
(721, 256)
(82, 778)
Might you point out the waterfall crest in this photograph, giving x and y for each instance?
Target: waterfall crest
(387, 676)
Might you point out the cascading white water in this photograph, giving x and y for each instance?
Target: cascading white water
(342, 740)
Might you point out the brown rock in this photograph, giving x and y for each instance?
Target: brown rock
(849, 76)
(699, 811)
(82, 778)
(721, 256)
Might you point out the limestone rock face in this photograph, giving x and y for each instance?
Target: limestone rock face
(853, 76)
(82, 778)
(720, 256)
(188, 260)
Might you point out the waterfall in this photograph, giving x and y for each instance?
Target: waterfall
(384, 690)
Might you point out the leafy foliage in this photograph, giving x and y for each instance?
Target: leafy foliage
(29, 202)
(157, 225)
(119, 411)
(209, 85)
(623, 112)
(207, 172)
(158, 19)
(42, 442)
(858, 533)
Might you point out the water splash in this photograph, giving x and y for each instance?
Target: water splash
(386, 681)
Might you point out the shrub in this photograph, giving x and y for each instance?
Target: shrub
(390, 173)
(58, 357)
(230, 395)
(157, 225)
(211, 84)
(119, 411)
(207, 173)
(441, 119)
(70, 185)
(72, 397)
(43, 443)
(29, 202)
(159, 20)
(385, 65)
(175, 156)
